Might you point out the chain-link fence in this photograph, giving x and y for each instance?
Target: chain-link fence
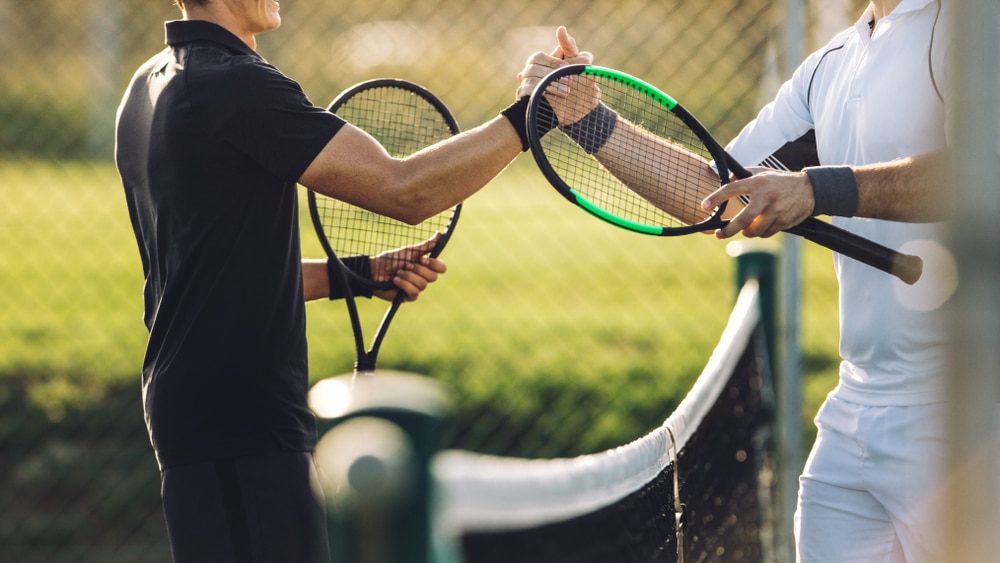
(558, 335)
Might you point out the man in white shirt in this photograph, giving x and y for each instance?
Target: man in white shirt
(870, 107)
(876, 93)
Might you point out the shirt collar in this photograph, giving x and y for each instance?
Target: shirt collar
(905, 6)
(909, 6)
(187, 31)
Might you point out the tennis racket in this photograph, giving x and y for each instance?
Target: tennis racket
(651, 175)
(404, 118)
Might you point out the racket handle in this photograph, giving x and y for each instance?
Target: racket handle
(904, 266)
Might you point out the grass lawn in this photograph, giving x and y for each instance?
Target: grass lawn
(557, 334)
(543, 308)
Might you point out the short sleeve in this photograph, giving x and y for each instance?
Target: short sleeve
(275, 123)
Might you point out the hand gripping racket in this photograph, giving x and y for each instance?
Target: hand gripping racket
(404, 118)
(652, 173)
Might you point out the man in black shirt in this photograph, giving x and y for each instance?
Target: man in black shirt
(211, 142)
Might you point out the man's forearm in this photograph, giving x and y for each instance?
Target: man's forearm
(315, 281)
(913, 189)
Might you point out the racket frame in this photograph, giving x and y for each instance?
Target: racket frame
(342, 99)
(713, 221)
(366, 358)
(905, 267)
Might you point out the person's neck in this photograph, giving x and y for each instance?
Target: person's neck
(214, 13)
(882, 8)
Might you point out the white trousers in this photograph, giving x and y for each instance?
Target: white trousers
(871, 485)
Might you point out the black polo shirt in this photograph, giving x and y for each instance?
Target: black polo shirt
(210, 142)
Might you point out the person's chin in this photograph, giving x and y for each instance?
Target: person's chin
(273, 22)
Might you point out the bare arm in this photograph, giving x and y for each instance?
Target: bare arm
(354, 168)
(913, 189)
(637, 158)
(633, 155)
(315, 283)
(908, 189)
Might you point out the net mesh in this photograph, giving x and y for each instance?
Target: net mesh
(715, 451)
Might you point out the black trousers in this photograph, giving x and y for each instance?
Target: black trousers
(245, 510)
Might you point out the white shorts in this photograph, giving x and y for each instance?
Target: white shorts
(871, 485)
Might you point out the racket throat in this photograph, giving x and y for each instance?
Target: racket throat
(365, 365)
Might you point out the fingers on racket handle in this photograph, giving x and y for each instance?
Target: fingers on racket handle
(904, 266)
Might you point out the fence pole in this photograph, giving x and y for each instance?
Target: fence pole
(105, 54)
(790, 369)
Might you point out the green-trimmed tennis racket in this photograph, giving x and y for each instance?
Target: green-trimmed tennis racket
(634, 157)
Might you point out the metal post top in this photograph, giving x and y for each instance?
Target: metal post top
(353, 394)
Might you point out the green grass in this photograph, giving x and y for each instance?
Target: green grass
(550, 327)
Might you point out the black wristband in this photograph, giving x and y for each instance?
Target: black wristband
(835, 190)
(594, 129)
(360, 265)
(517, 114)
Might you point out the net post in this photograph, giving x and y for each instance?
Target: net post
(378, 434)
(760, 261)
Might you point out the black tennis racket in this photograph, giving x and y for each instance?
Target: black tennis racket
(404, 118)
(651, 175)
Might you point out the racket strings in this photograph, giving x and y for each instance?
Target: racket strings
(657, 178)
(403, 123)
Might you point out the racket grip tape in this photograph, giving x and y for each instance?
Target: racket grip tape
(904, 266)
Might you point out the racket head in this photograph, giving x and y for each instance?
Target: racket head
(585, 181)
(404, 118)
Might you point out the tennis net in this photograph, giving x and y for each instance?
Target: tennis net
(697, 488)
